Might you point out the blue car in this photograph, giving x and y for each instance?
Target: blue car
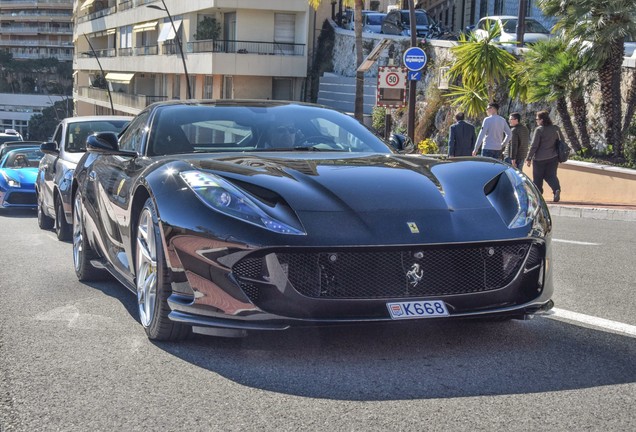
(18, 171)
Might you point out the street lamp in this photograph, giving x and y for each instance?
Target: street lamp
(176, 35)
(110, 97)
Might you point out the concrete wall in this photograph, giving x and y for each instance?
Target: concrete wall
(588, 183)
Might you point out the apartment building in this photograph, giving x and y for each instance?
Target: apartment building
(231, 50)
(34, 29)
(456, 15)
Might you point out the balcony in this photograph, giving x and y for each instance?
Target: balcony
(240, 47)
(100, 13)
(100, 53)
(136, 102)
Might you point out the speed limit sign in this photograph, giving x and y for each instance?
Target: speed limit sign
(391, 77)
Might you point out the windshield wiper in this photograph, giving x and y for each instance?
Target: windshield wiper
(300, 149)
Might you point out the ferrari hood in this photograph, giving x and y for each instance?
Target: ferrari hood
(371, 199)
(361, 183)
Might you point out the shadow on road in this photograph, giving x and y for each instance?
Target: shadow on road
(419, 360)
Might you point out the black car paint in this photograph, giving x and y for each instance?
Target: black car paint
(339, 209)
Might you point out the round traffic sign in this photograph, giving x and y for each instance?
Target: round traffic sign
(414, 59)
(392, 79)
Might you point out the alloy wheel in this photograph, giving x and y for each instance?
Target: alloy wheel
(146, 268)
(78, 240)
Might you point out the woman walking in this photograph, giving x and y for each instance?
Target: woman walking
(543, 154)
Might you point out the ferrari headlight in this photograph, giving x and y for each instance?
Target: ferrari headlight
(11, 182)
(527, 200)
(223, 197)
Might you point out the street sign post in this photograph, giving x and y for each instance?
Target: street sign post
(414, 59)
(391, 86)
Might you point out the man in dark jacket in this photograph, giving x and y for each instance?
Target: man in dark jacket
(462, 137)
(516, 150)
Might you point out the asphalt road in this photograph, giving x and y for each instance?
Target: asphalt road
(73, 357)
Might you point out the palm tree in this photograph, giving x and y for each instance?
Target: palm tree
(357, 11)
(603, 26)
(483, 68)
(552, 72)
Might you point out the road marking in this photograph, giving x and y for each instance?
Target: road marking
(602, 323)
(576, 242)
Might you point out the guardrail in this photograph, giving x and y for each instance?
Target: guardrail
(245, 47)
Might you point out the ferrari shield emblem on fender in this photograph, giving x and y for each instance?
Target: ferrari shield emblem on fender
(413, 227)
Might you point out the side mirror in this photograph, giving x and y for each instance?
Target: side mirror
(402, 143)
(49, 148)
(106, 143)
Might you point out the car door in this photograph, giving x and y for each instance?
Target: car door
(47, 170)
(113, 178)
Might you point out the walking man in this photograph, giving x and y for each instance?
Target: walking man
(494, 133)
(516, 150)
(462, 137)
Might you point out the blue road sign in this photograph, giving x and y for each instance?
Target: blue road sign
(414, 76)
(414, 59)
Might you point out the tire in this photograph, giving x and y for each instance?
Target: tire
(62, 228)
(44, 222)
(82, 252)
(153, 280)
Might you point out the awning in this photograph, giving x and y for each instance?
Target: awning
(167, 32)
(147, 26)
(119, 77)
(87, 4)
(102, 33)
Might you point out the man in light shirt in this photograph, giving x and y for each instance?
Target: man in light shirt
(495, 133)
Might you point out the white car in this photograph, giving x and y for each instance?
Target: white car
(534, 32)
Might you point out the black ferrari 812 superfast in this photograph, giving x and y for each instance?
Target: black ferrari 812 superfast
(230, 216)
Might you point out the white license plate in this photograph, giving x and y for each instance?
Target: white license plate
(417, 309)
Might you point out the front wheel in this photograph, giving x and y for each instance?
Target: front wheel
(82, 252)
(44, 222)
(62, 228)
(153, 280)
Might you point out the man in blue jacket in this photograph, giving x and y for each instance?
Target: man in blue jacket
(462, 137)
(494, 133)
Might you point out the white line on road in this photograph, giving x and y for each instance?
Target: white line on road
(576, 242)
(602, 323)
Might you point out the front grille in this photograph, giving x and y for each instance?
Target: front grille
(24, 198)
(394, 273)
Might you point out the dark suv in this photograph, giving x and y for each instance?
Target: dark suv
(397, 22)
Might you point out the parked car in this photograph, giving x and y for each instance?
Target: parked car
(348, 21)
(56, 168)
(229, 216)
(7, 137)
(372, 22)
(630, 49)
(397, 22)
(12, 145)
(534, 30)
(18, 169)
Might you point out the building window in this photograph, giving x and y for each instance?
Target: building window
(208, 87)
(282, 89)
(483, 8)
(176, 87)
(498, 10)
(228, 87)
(284, 33)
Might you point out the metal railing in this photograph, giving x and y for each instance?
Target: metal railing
(125, 52)
(146, 50)
(101, 53)
(246, 47)
(133, 101)
(100, 13)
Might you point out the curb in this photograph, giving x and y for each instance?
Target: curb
(593, 212)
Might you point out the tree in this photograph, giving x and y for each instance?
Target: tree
(482, 66)
(42, 126)
(553, 73)
(208, 29)
(601, 26)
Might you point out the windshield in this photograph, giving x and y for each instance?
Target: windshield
(532, 26)
(374, 19)
(420, 18)
(243, 128)
(9, 138)
(22, 158)
(77, 133)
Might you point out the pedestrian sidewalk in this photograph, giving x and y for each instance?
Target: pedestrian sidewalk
(593, 211)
